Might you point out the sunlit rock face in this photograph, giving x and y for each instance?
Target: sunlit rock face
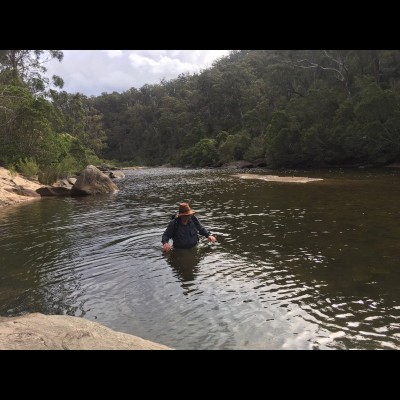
(62, 332)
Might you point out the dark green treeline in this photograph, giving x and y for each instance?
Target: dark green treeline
(44, 131)
(294, 108)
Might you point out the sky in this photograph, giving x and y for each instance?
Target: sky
(92, 72)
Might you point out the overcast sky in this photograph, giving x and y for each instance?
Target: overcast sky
(92, 72)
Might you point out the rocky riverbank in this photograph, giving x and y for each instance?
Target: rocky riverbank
(62, 332)
(11, 184)
(15, 189)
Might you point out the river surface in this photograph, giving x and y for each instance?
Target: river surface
(296, 266)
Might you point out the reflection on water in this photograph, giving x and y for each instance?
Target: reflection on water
(184, 262)
(297, 266)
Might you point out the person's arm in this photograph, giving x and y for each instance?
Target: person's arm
(167, 235)
(203, 231)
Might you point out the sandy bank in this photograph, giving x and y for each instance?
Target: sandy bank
(276, 178)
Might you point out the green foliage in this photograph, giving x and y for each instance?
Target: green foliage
(257, 148)
(26, 124)
(283, 140)
(28, 66)
(203, 153)
(28, 167)
(294, 107)
(377, 123)
(91, 158)
(12, 170)
(51, 139)
(238, 101)
(66, 167)
(48, 175)
(234, 147)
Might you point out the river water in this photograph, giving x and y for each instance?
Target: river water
(296, 266)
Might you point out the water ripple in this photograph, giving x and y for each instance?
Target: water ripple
(296, 267)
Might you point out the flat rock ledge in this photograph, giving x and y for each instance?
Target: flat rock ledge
(16, 189)
(276, 178)
(62, 332)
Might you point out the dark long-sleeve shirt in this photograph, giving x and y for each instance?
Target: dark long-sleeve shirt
(184, 236)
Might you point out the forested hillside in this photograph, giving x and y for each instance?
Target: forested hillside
(294, 108)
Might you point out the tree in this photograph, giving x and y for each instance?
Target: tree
(334, 62)
(28, 65)
(80, 119)
(234, 147)
(27, 127)
(299, 107)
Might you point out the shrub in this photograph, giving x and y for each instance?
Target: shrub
(66, 167)
(12, 170)
(28, 167)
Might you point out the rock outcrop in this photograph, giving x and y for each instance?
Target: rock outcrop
(14, 188)
(62, 332)
(92, 181)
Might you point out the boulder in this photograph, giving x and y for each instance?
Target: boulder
(92, 181)
(62, 183)
(54, 191)
(62, 332)
(117, 175)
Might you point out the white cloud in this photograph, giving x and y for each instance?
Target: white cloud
(162, 64)
(113, 53)
(140, 61)
(95, 71)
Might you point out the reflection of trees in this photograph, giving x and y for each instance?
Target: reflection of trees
(35, 247)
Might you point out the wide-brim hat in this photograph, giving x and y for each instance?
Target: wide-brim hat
(184, 209)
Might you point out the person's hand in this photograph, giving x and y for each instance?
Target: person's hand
(212, 239)
(166, 247)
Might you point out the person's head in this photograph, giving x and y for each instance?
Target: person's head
(185, 211)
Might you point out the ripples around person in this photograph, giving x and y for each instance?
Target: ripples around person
(184, 230)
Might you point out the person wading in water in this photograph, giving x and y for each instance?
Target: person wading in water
(183, 230)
